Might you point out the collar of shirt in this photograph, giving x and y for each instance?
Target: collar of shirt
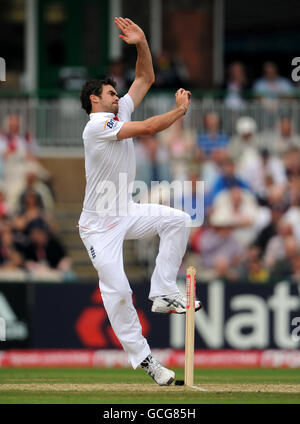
(98, 115)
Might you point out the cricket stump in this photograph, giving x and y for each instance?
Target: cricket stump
(190, 326)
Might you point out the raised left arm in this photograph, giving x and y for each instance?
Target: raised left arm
(144, 73)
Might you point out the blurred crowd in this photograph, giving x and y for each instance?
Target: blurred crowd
(29, 244)
(239, 86)
(270, 88)
(170, 72)
(251, 197)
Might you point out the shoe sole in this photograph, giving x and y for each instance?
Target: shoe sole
(173, 311)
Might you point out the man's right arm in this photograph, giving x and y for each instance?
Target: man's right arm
(159, 122)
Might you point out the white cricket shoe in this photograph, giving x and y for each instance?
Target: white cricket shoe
(160, 374)
(172, 304)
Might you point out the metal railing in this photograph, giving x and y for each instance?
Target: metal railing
(59, 123)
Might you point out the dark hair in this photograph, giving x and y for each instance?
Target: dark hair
(37, 224)
(93, 87)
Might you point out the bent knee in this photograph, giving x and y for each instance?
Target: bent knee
(187, 219)
(116, 294)
(113, 281)
(180, 219)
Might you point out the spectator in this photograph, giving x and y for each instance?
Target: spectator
(191, 200)
(152, 160)
(13, 149)
(34, 184)
(118, 74)
(32, 209)
(286, 267)
(272, 87)
(286, 139)
(226, 180)
(280, 139)
(16, 151)
(252, 166)
(244, 144)
(182, 69)
(295, 277)
(244, 149)
(247, 216)
(4, 210)
(277, 202)
(180, 143)
(212, 140)
(235, 86)
(10, 256)
(292, 164)
(275, 250)
(294, 192)
(168, 72)
(252, 270)
(263, 171)
(292, 217)
(45, 256)
(218, 253)
(20, 237)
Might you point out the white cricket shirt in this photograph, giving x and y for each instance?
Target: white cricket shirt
(109, 163)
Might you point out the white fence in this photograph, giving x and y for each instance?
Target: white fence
(59, 123)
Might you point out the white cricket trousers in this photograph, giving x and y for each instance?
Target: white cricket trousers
(103, 238)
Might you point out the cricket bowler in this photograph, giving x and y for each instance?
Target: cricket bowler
(109, 215)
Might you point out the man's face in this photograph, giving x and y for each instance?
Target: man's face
(109, 100)
(212, 122)
(285, 127)
(228, 168)
(270, 71)
(39, 237)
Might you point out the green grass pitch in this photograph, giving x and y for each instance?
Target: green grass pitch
(125, 386)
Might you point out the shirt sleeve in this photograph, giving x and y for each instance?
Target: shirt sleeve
(126, 108)
(103, 130)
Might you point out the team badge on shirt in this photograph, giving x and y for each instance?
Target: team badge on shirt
(109, 123)
(93, 254)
